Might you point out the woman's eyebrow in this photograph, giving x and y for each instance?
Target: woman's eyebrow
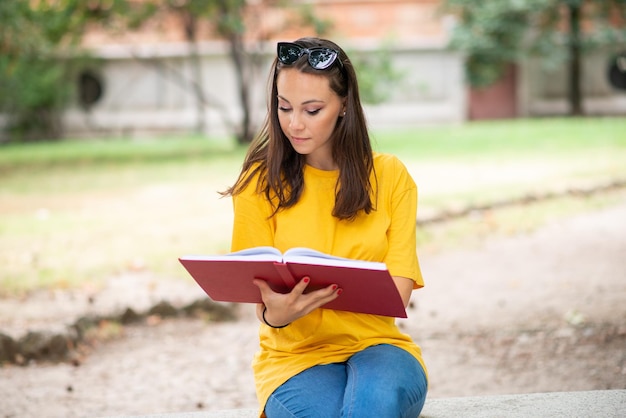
(304, 103)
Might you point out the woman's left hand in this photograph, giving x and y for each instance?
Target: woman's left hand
(284, 308)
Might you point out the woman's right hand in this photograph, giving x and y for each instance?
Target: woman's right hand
(284, 308)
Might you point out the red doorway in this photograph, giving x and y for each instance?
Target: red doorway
(498, 101)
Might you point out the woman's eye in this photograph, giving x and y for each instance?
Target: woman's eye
(284, 109)
(313, 112)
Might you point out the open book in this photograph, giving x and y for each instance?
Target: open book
(367, 286)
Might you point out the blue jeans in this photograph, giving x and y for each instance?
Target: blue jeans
(380, 381)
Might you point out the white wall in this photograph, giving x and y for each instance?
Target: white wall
(143, 96)
(543, 91)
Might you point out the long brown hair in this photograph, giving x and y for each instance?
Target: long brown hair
(280, 167)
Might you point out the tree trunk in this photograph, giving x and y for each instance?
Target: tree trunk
(190, 24)
(229, 13)
(574, 64)
(238, 56)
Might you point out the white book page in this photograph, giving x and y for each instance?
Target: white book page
(249, 254)
(309, 256)
(294, 255)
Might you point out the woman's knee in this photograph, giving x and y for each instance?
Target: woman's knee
(387, 381)
(316, 392)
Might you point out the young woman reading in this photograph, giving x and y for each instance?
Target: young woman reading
(311, 179)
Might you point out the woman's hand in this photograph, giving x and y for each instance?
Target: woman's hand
(284, 308)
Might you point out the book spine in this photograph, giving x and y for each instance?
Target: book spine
(285, 274)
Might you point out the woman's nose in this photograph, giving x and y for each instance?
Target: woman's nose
(295, 122)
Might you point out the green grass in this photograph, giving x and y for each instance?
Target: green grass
(76, 166)
(473, 140)
(507, 139)
(482, 162)
(73, 213)
(116, 151)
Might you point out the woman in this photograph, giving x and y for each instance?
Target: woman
(310, 179)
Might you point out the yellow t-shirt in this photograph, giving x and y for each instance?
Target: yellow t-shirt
(386, 235)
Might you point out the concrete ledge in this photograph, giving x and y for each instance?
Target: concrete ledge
(601, 403)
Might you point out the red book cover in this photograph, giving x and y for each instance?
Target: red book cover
(367, 286)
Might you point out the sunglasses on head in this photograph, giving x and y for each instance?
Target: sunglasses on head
(319, 58)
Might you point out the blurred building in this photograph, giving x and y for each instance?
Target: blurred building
(143, 82)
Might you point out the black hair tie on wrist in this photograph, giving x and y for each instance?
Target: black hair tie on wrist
(268, 324)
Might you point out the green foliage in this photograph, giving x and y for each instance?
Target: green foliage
(38, 51)
(230, 13)
(30, 81)
(32, 92)
(490, 33)
(378, 78)
(494, 33)
(39, 55)
(320, 26)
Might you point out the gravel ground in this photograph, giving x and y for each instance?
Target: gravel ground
(528, 313)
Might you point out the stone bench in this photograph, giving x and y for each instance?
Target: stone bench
(601, 403)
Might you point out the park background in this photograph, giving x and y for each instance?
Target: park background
(104, 187)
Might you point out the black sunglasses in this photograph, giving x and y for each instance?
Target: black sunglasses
(320, 58)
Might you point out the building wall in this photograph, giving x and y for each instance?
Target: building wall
(142, 93)
(145, 91)
(148, 90)
(543, 91)
(410, 21)
(145, 75)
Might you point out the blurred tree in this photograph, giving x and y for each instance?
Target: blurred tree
(239, 23)
(495, 33)
(39, 51)
(189, 13)
(378, 77)
(241, 20)
(38, 54)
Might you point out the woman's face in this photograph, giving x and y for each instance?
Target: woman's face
(308, 110)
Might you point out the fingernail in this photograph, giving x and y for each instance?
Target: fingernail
(340, 291)
(306, 280)
(334, 287)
